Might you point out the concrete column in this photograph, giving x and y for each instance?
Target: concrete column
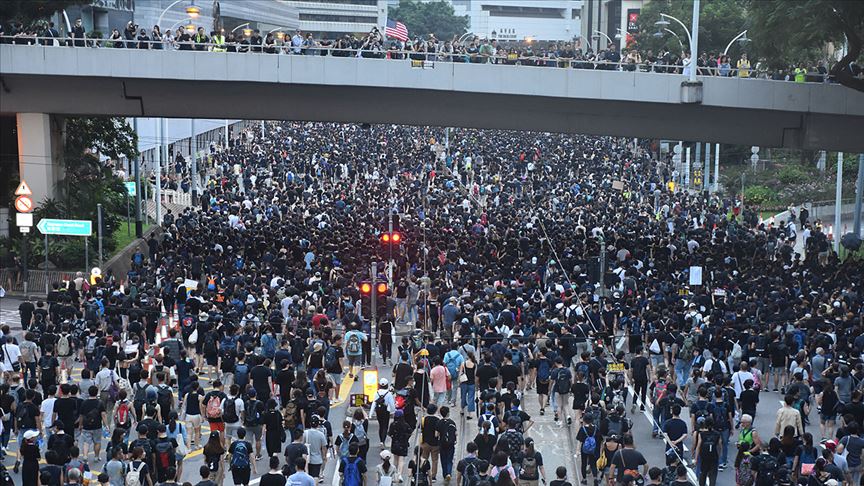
(838, 203)
(40, 149)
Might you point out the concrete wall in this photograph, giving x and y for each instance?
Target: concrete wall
(40, 148)
(181, 84)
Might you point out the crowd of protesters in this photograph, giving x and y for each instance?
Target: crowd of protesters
(494, 302)
(467, 49)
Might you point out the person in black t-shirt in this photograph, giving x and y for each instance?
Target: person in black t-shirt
(430, 439)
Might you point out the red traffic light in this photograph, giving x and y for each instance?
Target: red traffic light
(366, 288)
(391, 238)
(382, 288)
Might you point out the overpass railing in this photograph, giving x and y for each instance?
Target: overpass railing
(418, 59)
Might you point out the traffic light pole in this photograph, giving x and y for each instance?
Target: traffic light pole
(390, 246)
(373, 305)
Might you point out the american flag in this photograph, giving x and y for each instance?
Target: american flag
(397, 30)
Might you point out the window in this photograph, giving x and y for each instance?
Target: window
(357, 19)
(524, 12)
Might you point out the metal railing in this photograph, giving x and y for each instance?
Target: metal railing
(419, 59)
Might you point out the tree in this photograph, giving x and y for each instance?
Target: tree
(797, 30)
(424, 18)
(719, 22)
(30, 12)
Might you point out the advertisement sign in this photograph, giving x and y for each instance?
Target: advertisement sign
(632, 25)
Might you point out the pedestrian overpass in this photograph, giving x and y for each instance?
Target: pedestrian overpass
(41, 82)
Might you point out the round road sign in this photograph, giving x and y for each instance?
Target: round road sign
(23, 204)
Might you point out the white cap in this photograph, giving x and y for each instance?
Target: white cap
(383, 382)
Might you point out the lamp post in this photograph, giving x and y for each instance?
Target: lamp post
(741, 38)
(599, 33)
(192, 10)
(464, 36)
(693, 40)
(241, 25)
(677, 37)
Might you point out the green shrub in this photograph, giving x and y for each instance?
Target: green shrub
(792, 174)
(758, 195)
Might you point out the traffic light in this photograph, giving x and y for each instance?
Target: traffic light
(393, 238)
(381, 288)
(365, 288)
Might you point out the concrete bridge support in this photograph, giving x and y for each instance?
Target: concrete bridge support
(40, 152)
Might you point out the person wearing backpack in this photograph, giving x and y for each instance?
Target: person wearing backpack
(241, 464)
(334, 358)
(352, 469)
(253, 410)
(383, 407)
(166, 455)
(211, 405)
(92, 421)
(563, 380)
(447, 445)
(164, 397)
(241, 372)
(722, 417)
(354, 340)
(123, 414)
(468, 470)
(531, 470)
(232, 410)
(706, 452)
(544, 372)
(138, 471)
(590, 439)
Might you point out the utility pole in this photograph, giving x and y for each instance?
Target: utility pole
(163, 160)
(859, 193)
(99, 228)
(194, 175)
(139, 226)
(838, 203)
(716, 167)
(706, 181)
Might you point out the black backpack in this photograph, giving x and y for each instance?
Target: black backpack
(471, 474)
(252, 416)
(708, 446)
(164, 397)
(563, 381)
(449, 431)
(716, 367)
(229, 414)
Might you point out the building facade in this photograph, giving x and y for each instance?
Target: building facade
(523, 20)
(264, 15)
(334, 18)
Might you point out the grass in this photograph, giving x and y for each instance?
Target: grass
(125, 234)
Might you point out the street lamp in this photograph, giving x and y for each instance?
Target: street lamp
(175, 24)
(464, 36)
(241, 25)
(741, 38)
(192, 10)
(660, 34)
(694, 39)
(597, 35)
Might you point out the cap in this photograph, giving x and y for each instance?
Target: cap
(831, 445)
(424, 352)
(385, 455)
(30, 434)
(383, 382)
(317, 346)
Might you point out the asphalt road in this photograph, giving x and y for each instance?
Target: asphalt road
(555, 442)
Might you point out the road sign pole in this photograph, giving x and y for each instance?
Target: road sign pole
(86, 252)
(26, 243)
(46, 263)
(99, 229)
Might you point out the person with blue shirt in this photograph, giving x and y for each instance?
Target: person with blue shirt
(354, 348)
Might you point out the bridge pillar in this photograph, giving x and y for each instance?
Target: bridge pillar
(40, 150)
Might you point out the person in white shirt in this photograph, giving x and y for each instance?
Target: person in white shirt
(709, 362)
(11, 355)
(739, 377)
(47, 411)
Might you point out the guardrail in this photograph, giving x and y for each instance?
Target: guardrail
(419, 59)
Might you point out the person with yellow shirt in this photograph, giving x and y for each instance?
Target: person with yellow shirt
(743, 67)
(800, 73)
(218, 38)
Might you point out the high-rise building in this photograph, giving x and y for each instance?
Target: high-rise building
(617, 20)
(523, 20)
(332, 18)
